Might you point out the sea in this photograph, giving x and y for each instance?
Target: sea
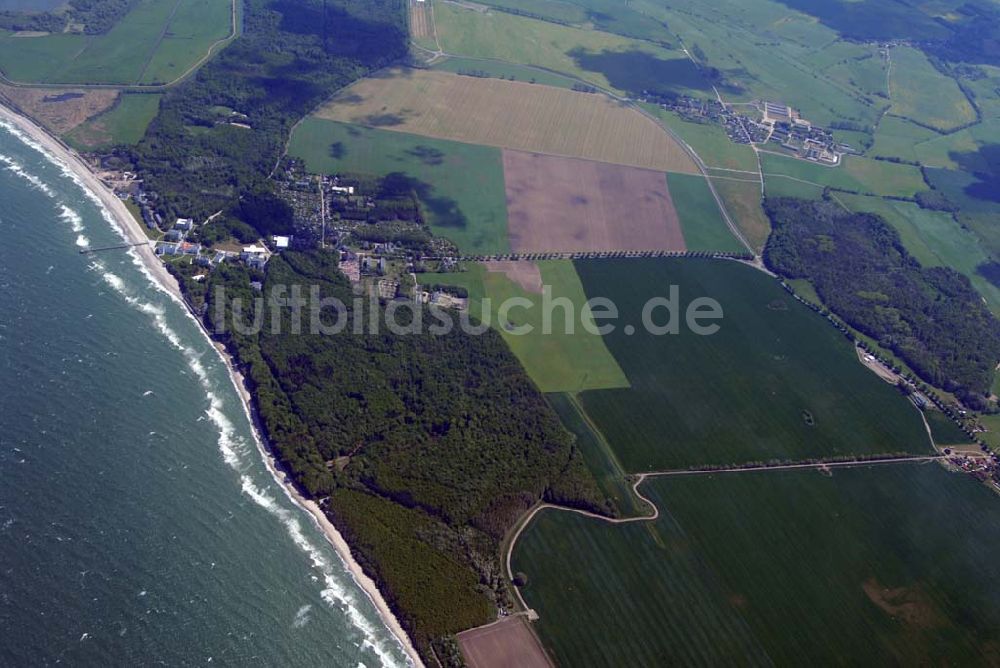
(139, 523)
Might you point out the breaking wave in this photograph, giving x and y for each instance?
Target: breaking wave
(231, 444)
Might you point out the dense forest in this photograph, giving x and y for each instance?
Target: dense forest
(291, 56)
(932, 318)
(425, 448)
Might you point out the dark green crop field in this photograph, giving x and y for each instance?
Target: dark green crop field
(880, 565)
(775, 382)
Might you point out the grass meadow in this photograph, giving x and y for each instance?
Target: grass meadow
(461, 186)
(604, 59)
(880, 565)
(922, 93)
(855, 173)
(558, 362)
(742, 200)
(776, 382)
(709, 141)
(124, 123)
(702, 223)
(151, 44)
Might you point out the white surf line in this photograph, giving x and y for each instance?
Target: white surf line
(62, 157)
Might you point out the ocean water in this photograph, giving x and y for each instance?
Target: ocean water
(138, 522)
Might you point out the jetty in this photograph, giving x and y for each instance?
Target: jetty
(88, 251)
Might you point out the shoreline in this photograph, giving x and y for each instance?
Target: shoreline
(133, 232)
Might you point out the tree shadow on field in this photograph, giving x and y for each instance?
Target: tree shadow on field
(984, 166)
(382, 120)
(427, 154)
(636, 71)
(444, 210)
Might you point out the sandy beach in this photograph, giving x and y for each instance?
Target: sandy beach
(134, 233)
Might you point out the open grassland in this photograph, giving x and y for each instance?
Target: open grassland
(59, 110)
(557, 204)
(566, 360)
(124, 123)
(155, 42)
(888, 565)
(925, 95)
(514, 115)
(742, 201)
(898, 138)
(776, 381)
(701, 221)
(603, 59)
(962, 149)
(710, 142)
(763, 49)
(498, 70)
(629, 19)
(934, 238)
(855, 174)
(460, 186)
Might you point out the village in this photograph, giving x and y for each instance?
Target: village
(760, 123)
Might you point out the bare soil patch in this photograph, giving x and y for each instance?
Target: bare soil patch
(557, 204)
(509, 114)
(60, 110)
(523, 272)
(508, 643)
(909, 605)
(420, 21)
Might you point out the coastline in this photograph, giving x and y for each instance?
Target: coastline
(133, 232)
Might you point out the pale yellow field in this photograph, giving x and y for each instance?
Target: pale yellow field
(509, 114)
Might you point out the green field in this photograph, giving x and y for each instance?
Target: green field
(605, 15)
(775, 382)
(154, 43)
(604, 59)
(702, 223)
(857, 174)
(124, 123)
(922, 93)
(461, 186)
(598, 455)
(934, 238)
(563, 361)
(889, 565)
(944, 430)
(898, 138)
(709, 141)
(742, 201)
(503, 71)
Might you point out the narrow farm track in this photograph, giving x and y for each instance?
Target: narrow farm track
(526, 520)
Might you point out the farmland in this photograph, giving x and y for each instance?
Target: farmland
(460, 185)
(796, 392)
(701, 221)
(874, 565)
(571, 205)
(710, 142)
(506, 114)
(856, 174)
(154, 43)
(742, 201)
(921, 93)
(610, 61)
(563, 361)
